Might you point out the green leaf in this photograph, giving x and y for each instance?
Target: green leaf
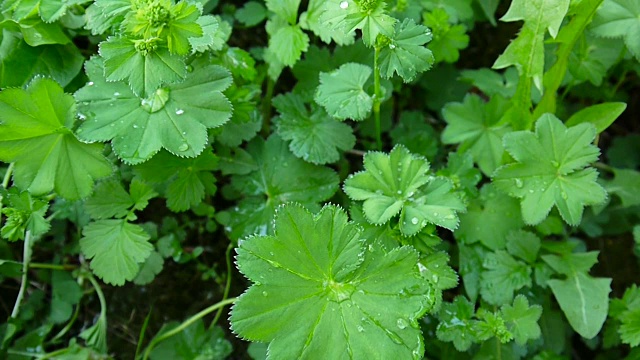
(489, 8)
(149, 269)
(524, 245)
(251, 13)
(600, 115)
(287, 42)
(117, 248)
(175, 118)
(414, 132)
(457, 324)
(476, 126)
(207, 41)
(491, 324)
(109, 200)
(619, 18)
(182, 26)
(65, 293)
(368, 16)
(436, 268)
(406, 54)
(314, 19)
(103, 15)
(522, 319)
(279, 177)
(551, 169)
(342, 92)
(314, 276)
(458, 10)
(21, 62)
(36, 134)
(194, 342)
(398, 183)
(504, 276)
(24, 213)
(143, 72)
(286, 9)
(583, 299)
(626, 185)
(526, 52)
(489, 219)
(188, 180)
(630, 328)
(447, 40)
(315, 136)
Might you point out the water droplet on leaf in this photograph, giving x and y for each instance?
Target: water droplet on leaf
(414, 221)
(344, 5)
(183, 147)
(179, 112)
(519, 183)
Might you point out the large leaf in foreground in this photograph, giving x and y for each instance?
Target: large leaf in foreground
(551, 169)
(35, 133)
(314, 284)
(175, 118)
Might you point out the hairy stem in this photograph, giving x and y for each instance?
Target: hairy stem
(26, 258)
(227, 285)
(186, 324)
(377, 94)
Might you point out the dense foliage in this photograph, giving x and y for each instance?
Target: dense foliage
(398, 179)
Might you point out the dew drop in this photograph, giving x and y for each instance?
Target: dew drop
(116, 94)
(179, 112)
(392, 46)
(344, 5)
(399, 192)
(90, 83)
(564, 195)
(519, 183)
(264, 293)
(135, 126)
(360, 328)
(183, 147)
(435, 214)
(414, 221)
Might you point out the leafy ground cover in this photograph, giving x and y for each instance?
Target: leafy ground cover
(357, 179)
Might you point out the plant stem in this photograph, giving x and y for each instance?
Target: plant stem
(227, 285)
(266, 106)
(377, 94)
(185, 325)
(5, 183)
(26, 258)
(67, 267)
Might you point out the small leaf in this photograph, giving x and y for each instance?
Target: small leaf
(551, 169)
(117, 248)
(457, 324)
(522, 319)
(398, 183)
(619, 18)
(315, 136)
(342, 92)
(504, 276)
(369, 16)
(406, 54)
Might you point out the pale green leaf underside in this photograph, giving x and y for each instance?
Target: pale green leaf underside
(137, 132)
(314, 284)
(35, 133)
(116, 248)
(551, 170)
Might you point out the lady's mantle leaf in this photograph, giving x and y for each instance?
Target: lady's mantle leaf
(315, 284)
(619, 18)
(117, 248)
(35, 133)
(315, 136)
(406, 54)
(143, 72)
(175, 118)
(278, 178)
(551, 170)
(475, 126)
(369, 16)
(342, 93)
(398, 183)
